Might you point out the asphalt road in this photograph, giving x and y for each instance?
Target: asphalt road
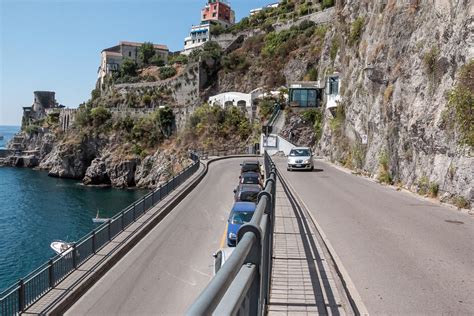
(404, 254)
(169, 268)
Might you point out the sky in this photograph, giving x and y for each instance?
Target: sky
(55, 45)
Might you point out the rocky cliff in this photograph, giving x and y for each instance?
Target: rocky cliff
(398, 61)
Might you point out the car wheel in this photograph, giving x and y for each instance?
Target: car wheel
(312, 168)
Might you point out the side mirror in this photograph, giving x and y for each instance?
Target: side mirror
(214, 255)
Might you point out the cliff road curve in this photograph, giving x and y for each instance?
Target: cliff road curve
(169, 268)
(405, 255)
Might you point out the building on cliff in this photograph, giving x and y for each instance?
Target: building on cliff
(268, 6)
(44, 104)
(215, 12)
(112, 57)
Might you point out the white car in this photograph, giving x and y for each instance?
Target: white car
(221, 256)
(300, 158)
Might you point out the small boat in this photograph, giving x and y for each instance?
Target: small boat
(98, 219)
(61, 247)
(1, 136)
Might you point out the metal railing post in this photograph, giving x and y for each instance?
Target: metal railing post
(122, 220)
(109, 232)
(94, 250)
(21, 295)
(74, 252)
(51, 273)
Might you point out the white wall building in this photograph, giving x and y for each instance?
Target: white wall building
(199, 35)
(231, 99)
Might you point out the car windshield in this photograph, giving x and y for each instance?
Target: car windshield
(240, 218)
(248, 196)
(250, 180)
(300, 153)
(247, 168)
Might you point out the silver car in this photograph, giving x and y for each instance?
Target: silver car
(300, 158)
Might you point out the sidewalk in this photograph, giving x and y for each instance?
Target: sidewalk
(302, 282)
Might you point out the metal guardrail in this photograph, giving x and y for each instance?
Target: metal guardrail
(242, 285)
(31, 288)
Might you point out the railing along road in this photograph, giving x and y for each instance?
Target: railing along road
(242, 285)
(31, 288)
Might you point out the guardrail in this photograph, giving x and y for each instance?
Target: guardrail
(242, 285)
(31, 288)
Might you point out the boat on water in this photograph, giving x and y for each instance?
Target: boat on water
(61, 247)
(98, 219)
(1, 136)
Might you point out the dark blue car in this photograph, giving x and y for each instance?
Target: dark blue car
(241, 213)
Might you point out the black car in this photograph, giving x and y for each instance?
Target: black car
(247, 192)
(250, 166)
(251, 178)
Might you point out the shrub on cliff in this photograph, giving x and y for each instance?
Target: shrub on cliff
(327, 4)
(167, 72)
(356, 30)
(461, 105)
(100, 115)
(157, 61)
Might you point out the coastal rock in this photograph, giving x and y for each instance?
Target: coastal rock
(30, 161)
(153, 171)
(96, 173)
(122, 173)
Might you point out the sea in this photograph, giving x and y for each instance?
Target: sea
(36, 209)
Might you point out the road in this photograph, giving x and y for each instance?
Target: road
(404, 254)
(169, 268)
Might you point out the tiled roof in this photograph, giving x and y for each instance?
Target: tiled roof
(157, 46)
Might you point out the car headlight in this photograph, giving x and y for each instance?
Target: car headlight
(232, 236)
(307, 161)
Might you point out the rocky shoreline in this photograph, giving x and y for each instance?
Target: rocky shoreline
(94, 162)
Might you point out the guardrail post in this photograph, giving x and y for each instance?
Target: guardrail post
(51, 273)
(134, 212)
(109, 232)
(93, 242)
(74, 252)
(21, 295)
(122, 220)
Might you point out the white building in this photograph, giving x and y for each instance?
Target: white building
(268, 6)
(232, 99)
(199, 35)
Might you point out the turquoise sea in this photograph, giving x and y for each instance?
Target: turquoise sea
(36, 209)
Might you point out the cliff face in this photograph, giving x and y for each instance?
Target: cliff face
(397, 61)
(395, 78)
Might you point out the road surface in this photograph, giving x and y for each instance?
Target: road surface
(170, 267)
(404, 254)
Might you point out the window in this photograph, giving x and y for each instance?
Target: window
(129, 54)
(334, 85)
(214, 15)
(305, 97)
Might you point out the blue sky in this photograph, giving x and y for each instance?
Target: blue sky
(55, 44)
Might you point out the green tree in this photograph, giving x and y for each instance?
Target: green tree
(164, 119)
(146, 52)
(128, 68)
(157, 60)
(100, 115)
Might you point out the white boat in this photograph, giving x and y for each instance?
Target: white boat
(61, 247)
(98, 219)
